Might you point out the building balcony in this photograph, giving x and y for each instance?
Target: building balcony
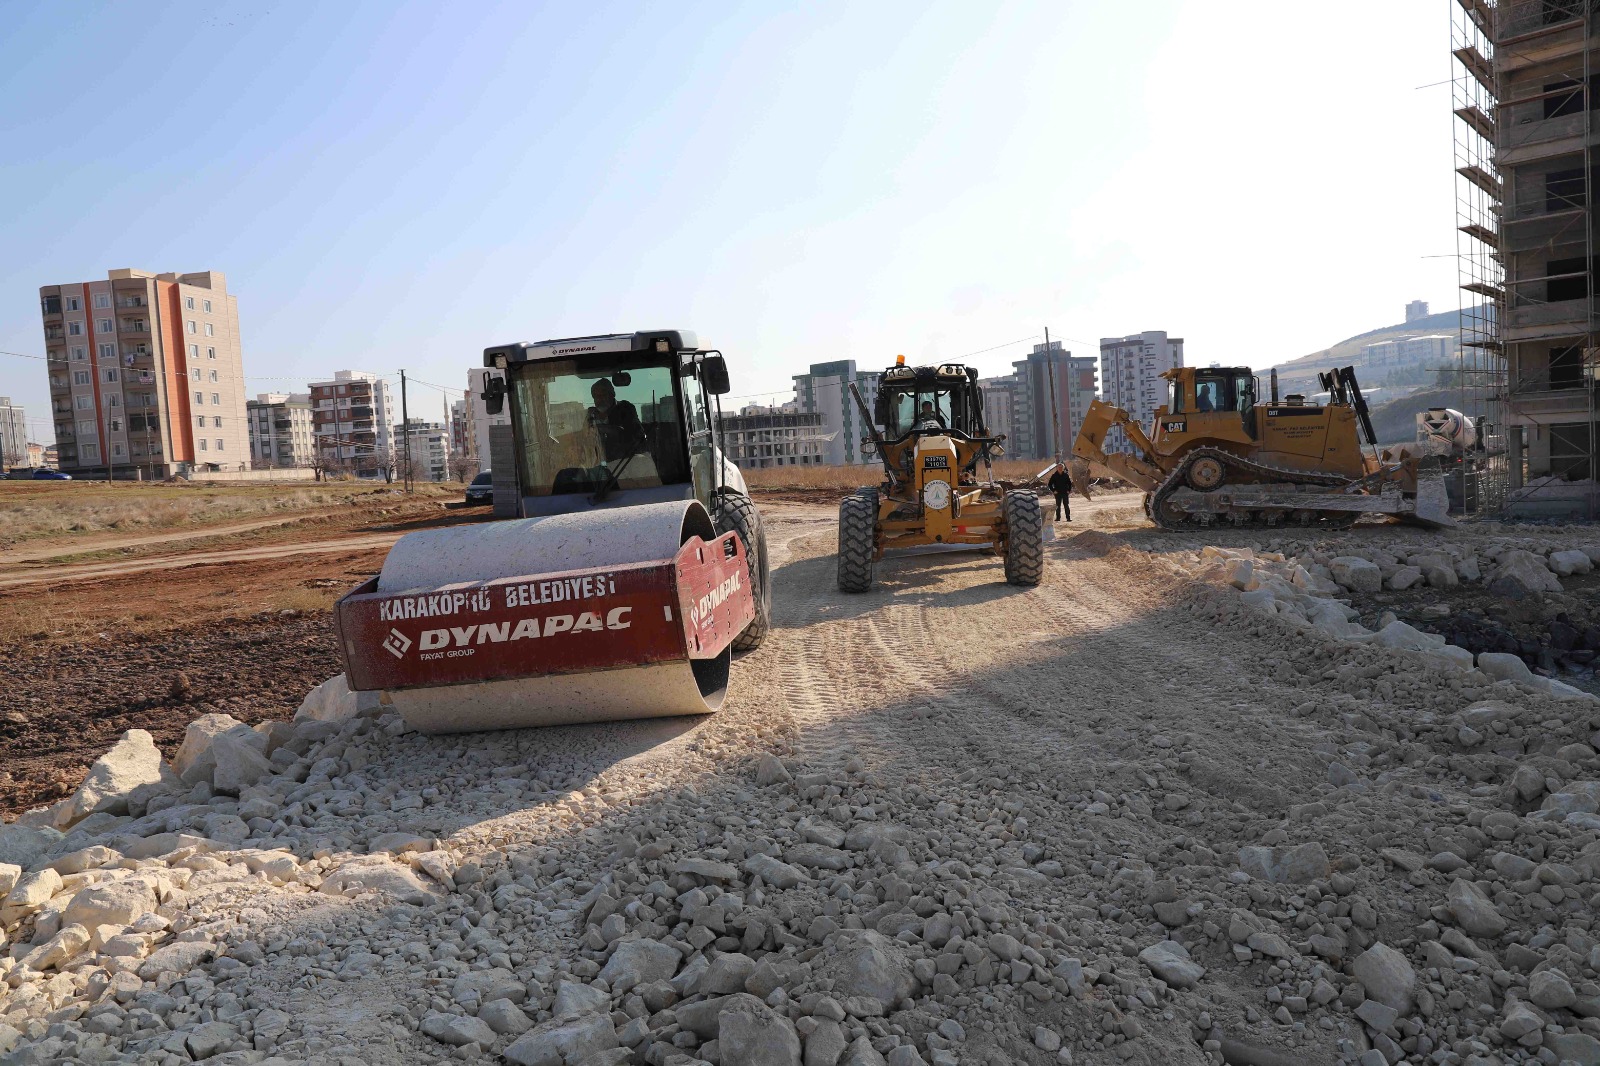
(132, 302)
(1544, 321)
(55, 335)
(133, 327)
(282, 424)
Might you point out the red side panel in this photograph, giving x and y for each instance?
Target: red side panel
(714, 599)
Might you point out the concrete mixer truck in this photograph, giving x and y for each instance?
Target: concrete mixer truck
(635, 565)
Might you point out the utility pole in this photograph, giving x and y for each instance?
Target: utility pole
(1055, 400)
(405, 433)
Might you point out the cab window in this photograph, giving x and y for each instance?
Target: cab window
(1214, 392)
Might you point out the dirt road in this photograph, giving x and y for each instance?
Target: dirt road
(1042, 800)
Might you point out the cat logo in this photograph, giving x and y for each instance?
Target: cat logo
(1174, 425)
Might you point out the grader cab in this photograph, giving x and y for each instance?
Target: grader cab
(931, 438)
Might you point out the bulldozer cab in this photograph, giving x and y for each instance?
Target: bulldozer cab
(1212, 390)
(609, 421)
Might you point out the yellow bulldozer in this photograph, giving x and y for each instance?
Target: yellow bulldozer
(1213, 455)
(932, 442)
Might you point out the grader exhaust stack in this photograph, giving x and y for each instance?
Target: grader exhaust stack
(637, 568)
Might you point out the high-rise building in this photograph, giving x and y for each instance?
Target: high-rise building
(1416, 309)
(825, 390)
(759, 437)
(352, 420)
(1002, 397)
(281, 431)
(1046, 423)
(478, 417)
(1130, 377)
(1525, 97)
(13, 435)
(428, 446)
(146, 374)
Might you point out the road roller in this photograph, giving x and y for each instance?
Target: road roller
(628, 568)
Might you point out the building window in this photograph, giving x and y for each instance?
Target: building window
(105, 325)
(116, 450)
(215, 399)
(74, 329)
(1566, 367)
(91, 451)
(102, 299)
(195, 373)
(83, 403)
(213, 375)
(1564, 189)
(110, 374)
(216, 423)
(202, 444)
(86, 426)
(113, 401)
(80, 377)
(188, 302)
(211, 353)
(80, 352)
(208, 307)
(210, 331)
(192, 326)
(200, 398)
(1569, 451)
(1575, 286)
(200, 421)
(108, 351)
(219, 444)
(73, 304)
(116, 425)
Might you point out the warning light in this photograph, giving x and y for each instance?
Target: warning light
(899, 360)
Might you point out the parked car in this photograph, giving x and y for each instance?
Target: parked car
(43, 474)
(482, 489)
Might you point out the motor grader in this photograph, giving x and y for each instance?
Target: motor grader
(635, 565)
(1215, 456)
(929, 433)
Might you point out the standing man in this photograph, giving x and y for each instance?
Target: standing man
(1061, 485)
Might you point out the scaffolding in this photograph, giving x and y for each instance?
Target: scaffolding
(1525, 100)
(1481, 268)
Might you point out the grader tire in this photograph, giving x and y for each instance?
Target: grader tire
(734, 511)
(1024, 538)
(858, 535)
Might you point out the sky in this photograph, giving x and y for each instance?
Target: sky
(391, 185)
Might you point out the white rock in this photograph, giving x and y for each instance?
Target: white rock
(64, 946)
(374, 873)
(194, 762)
(115, 903)
(774, 872)
(1356, 574)
(639, 962)
(1285, 865)
(331, 701)
(240, 760)
(1564, 563)
(771, 771)
(1472, 910)
(1399, 635)
(25, 845)
(10, 874)
(1403, 578)
(573, 999)
(505, 1017)
(1170, 961)
(753, 1035)
(1504, 666)
(564, 1042)
(458, 1030)
(1386, 976)
(133, 760)
(31, 892)
(1521, 574)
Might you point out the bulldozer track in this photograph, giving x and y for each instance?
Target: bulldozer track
(1263, 472)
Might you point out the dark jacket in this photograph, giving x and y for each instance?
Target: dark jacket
(1061, 482)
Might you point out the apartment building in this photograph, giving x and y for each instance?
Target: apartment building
(1130, 377)
(281, 434)
(352, 424)
(1416, 309)
(1002, 397)
(427, 445)
(1046, 422)
(146, 374)
(824, 390)
(1525, 97)
(13, 435)
(759, 437)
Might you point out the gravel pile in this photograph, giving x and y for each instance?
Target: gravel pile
(1171, 811)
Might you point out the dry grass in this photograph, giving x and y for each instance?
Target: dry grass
(308, 600)
(851, 477)
(33, 510)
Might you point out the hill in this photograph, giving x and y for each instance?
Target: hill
(1299, 374)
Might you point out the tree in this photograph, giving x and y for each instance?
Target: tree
(463, 465)
(386, 462)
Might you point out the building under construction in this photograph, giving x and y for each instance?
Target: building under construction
(1524, 98)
